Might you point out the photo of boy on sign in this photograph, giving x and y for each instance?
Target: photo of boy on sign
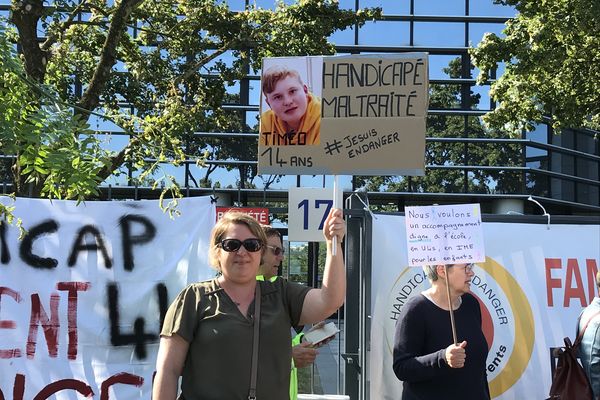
(294, 117)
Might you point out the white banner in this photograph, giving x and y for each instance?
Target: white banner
(83, 294)
(531, 288)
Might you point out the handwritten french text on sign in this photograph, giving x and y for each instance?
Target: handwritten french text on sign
(307, 210)
(83, 294)
(260, 214)
(444, 234)
(370, 119)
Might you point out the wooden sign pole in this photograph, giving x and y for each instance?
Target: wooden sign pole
(450, 308)
(336, 204)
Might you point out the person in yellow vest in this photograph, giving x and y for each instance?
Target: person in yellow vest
(295, 114)
(303, 353)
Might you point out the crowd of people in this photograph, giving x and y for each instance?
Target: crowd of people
(208, 336)
(230, 337)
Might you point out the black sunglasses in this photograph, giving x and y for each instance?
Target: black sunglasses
(276, 250)
(251, 245)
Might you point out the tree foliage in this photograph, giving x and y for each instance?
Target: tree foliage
(298, 262)
(51, 147)
(159, 70)
(551, 53)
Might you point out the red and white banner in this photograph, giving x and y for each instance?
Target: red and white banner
(531, 289)
(261, 214)
(84, 292)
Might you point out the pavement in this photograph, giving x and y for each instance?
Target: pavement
(328, 365)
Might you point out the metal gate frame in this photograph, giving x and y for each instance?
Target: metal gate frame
(357, 309)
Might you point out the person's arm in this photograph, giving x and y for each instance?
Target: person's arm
(409, 363)
(169, 365)
(321, 303)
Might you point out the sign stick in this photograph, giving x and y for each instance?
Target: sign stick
(336, 201)
(450, 307)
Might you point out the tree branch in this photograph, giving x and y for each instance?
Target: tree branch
(108, 57)
(117, 160)
(25, 15)
(200, 63)
(53, 37)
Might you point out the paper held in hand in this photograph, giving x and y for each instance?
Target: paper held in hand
(449, 234)
(316, 336)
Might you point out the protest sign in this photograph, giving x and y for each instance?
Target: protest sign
(371, 115)
(83, 294)
(449, 234)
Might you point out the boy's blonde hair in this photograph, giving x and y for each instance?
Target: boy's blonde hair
(274, 74)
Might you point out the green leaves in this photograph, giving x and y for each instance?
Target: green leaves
(552, 52)
(173, 65)
(55, 151)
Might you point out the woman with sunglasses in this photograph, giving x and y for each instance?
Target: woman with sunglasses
(207, 335)
(425, 357)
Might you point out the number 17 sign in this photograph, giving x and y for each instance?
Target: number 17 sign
(307, 210)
